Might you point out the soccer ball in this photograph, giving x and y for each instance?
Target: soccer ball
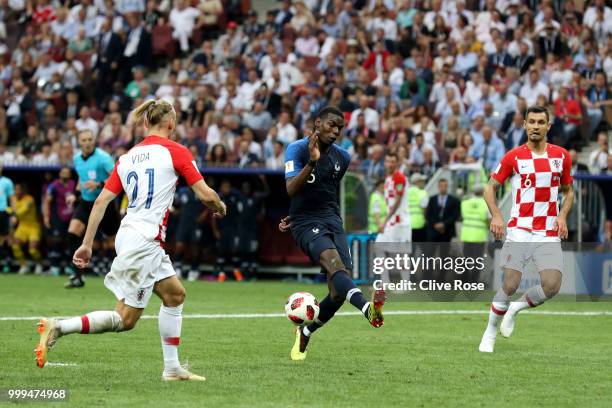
(302, 308)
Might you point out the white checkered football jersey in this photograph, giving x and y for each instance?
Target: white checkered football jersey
(535, 181)
(395, 188)
(148, 174)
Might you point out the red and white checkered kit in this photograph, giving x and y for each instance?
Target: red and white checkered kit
(535, 181)
(395, 188)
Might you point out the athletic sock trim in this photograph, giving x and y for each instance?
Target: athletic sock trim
(306, 332)
(365, 308)
(85, 324)
(351, 292)
(530, 302)
(498, 311)
(172, 341)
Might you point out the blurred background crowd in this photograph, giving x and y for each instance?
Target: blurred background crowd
(440, 82)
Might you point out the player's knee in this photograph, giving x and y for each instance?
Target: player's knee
(551, 288)
(176, 298)
(510, 286)
(129, 321)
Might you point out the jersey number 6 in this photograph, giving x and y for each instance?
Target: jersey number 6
(133, 175)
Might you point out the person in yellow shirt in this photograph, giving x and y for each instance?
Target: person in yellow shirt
(27, 231)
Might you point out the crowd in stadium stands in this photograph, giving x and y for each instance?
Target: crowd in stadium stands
(438, 81)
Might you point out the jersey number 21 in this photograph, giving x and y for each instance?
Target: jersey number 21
(133, 175)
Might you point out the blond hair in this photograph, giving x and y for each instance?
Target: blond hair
(153, 112)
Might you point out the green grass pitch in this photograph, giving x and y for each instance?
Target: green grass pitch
(428, 360)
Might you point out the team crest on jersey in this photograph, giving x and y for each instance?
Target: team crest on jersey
(556, 163)
(140, 295)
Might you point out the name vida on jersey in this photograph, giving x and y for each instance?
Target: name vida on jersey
(140, 158)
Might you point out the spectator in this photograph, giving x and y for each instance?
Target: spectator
(515, 134)
(71, 71)
(362, 129)
(534, 88)
(245, 157)
(417, 152)
(46, 157)
(373, 168)
(183, 20)
(218, 156)
(371, 116)
(138, 47)
(287, 133)
(569, 111)
(277, 160)
(595, 100)
(598, 159)
(306, 44)
(524, 60)
(490, 151)
(80, 43)
(85, 121)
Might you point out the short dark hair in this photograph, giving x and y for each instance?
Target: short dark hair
(537, 109)
(391, 153)
(323, 112)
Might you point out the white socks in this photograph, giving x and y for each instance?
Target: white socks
(170, 321)
(533, 297)
(499, 306)
(94, 322)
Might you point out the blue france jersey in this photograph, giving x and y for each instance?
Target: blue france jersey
(96, 167)
(319, 197)
(6, 190)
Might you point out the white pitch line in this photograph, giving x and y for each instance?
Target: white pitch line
(50, 364)
(390, 312)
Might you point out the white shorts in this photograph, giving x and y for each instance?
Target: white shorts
(395, 233)
(522, 246)
(139, 264)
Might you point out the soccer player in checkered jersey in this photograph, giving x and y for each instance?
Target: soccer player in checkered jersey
(148, 174)
(538, 171)
(396, 227)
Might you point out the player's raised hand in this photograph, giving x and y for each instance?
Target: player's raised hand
(497, 227)
(313, 146)
(561, 226)
(82, 256)
(284, 225)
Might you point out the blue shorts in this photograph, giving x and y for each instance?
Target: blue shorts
(315, 238)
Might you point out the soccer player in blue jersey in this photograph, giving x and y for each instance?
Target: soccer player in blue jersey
(314, 167)
(93, 166)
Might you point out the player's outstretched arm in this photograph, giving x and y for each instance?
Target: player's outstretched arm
(497, 222)
(209, 197)
(82, 256)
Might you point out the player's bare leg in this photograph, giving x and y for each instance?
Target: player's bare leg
(533, 297)
(123, 318)
(499, 307)
(172, 294)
